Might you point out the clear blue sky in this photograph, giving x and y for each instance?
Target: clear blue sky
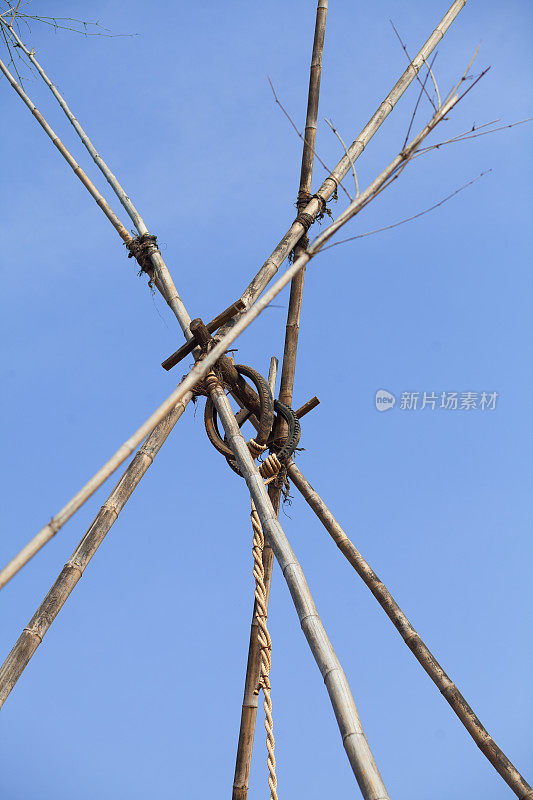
(136, 690)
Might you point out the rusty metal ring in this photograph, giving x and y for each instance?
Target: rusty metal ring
(266, 416)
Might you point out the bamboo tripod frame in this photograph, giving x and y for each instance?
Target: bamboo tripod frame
(160, 424)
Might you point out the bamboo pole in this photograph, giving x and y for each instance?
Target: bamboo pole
(99, 161)
(295, 232)
(164, 281)
(421, 652)
(33, 633)
(182, 393)
(353, 737)
(243, 761)
(69, 158)
(61, 517)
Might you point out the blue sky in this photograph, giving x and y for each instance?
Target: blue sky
(136, 690)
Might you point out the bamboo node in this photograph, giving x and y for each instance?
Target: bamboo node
(142, 249)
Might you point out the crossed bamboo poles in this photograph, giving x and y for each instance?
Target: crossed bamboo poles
(357, 749)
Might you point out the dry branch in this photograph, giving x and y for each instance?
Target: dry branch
(33, 633)
(421, 652)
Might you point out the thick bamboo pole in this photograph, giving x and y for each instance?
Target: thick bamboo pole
(182, 393)
(353, 737)
(295, 232)
(245, 744)
(33, 633)
(163, 279)
(421, 652)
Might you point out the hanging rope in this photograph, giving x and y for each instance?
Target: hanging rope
(265, 644)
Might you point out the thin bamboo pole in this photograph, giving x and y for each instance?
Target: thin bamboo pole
(295, 232)
(164, 281)
(421, 652)
(69, 158)
(61, 517)
(243, 761)
(33, 633)
(353, 737)
(99, 161)
(182, 393)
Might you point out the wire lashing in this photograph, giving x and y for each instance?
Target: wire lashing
(141, 249)
(265, 643)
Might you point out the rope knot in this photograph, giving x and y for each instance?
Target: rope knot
(141, 249)
(255, 448)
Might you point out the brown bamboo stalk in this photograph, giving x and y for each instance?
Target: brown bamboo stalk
(421, 652)
(353, 737)
(33, 633)
(182, 393)
(328, 188)
(243, 761)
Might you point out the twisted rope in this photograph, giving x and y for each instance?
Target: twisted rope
(270, 467)
(265, 644)
(255, 448)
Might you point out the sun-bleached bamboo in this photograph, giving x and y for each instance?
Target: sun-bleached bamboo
(69, 158)
(61, 517)
(421, 652)
(243, 761)
(182, 393)
(33, 633)
(99, 161)
(353, 737)
(163, 279)
(295, 232)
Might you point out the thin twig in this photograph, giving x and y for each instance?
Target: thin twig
(410, 60)
(463, 137)
(415, 109)
(408, 219)
(328, 188)
(341, 140)
(277, 100)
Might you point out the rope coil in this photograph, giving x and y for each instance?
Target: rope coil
(265, 643)
(255, 448)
